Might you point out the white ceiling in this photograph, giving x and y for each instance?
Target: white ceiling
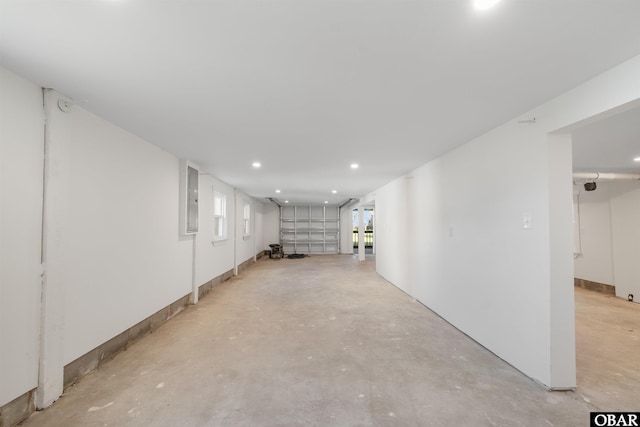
(608, 145)
(308, 86)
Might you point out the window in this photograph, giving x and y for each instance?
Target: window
(219, 216)
(246, 223)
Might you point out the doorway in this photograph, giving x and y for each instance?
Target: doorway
(606, 244)
(369, 235)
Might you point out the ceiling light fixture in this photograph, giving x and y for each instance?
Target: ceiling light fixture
(326, 201)
(277, 191)
(286, 201)
(334, 191)
(354, 166)
(484, 4)
(256, 165)
(637, 159)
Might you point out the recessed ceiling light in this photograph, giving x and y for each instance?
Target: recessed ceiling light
(354, 166)
(334, 191)
(637, 159)
(277, 191)
(286, 201)
(484, 4)
(326, 201)
(256, 165)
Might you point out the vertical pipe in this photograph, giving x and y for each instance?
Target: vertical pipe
(56, 192)
(194, 285)
(235, 231)
(253, 214)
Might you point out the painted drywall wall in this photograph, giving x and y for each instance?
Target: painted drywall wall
(213, 258)
(625, 230)
(594, 261)
(118, 249)
(21, 187)
(610, 236)
(483, 235)
(464, 252)
(244, 244)
(258, 235)
(112, 251)
(271, 225)
(259, 209)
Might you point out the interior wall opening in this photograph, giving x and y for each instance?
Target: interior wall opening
(606, 202)
(369, 233)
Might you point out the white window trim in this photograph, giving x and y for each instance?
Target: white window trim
(246, 220)
(218, 238)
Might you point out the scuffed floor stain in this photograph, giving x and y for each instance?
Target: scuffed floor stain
(98, 408)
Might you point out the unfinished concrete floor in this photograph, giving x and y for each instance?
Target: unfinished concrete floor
(608, 350)
(320, 341)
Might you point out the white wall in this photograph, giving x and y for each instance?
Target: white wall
(213, 259)
(120, 249)
(258, 234)
(271, 225)
(111, 248)
(451, 232)
(625, 226)
(595, 260)
(244, 245)
(610, 236)
(451, 235)
(122, 242)
(21, 160)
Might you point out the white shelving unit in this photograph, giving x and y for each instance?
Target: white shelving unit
(310, 229)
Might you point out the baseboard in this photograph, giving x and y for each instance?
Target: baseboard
(18, 410)
(595, 286)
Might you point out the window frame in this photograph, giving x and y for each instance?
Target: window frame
(246, 220)
(219, 231)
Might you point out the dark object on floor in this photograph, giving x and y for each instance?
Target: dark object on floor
(296, 256)
(276, 251)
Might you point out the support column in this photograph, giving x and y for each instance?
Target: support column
(194, 285)
(562, 310)
(235, 231)
(373, 235)
(55, 263)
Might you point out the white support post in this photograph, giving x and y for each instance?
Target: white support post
(562, 310)
(194, 285)
(373, 223)
(361, 227)
(235, 231)
(54, 259)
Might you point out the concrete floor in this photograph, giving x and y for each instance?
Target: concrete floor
(608, 350)
(324, 341)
